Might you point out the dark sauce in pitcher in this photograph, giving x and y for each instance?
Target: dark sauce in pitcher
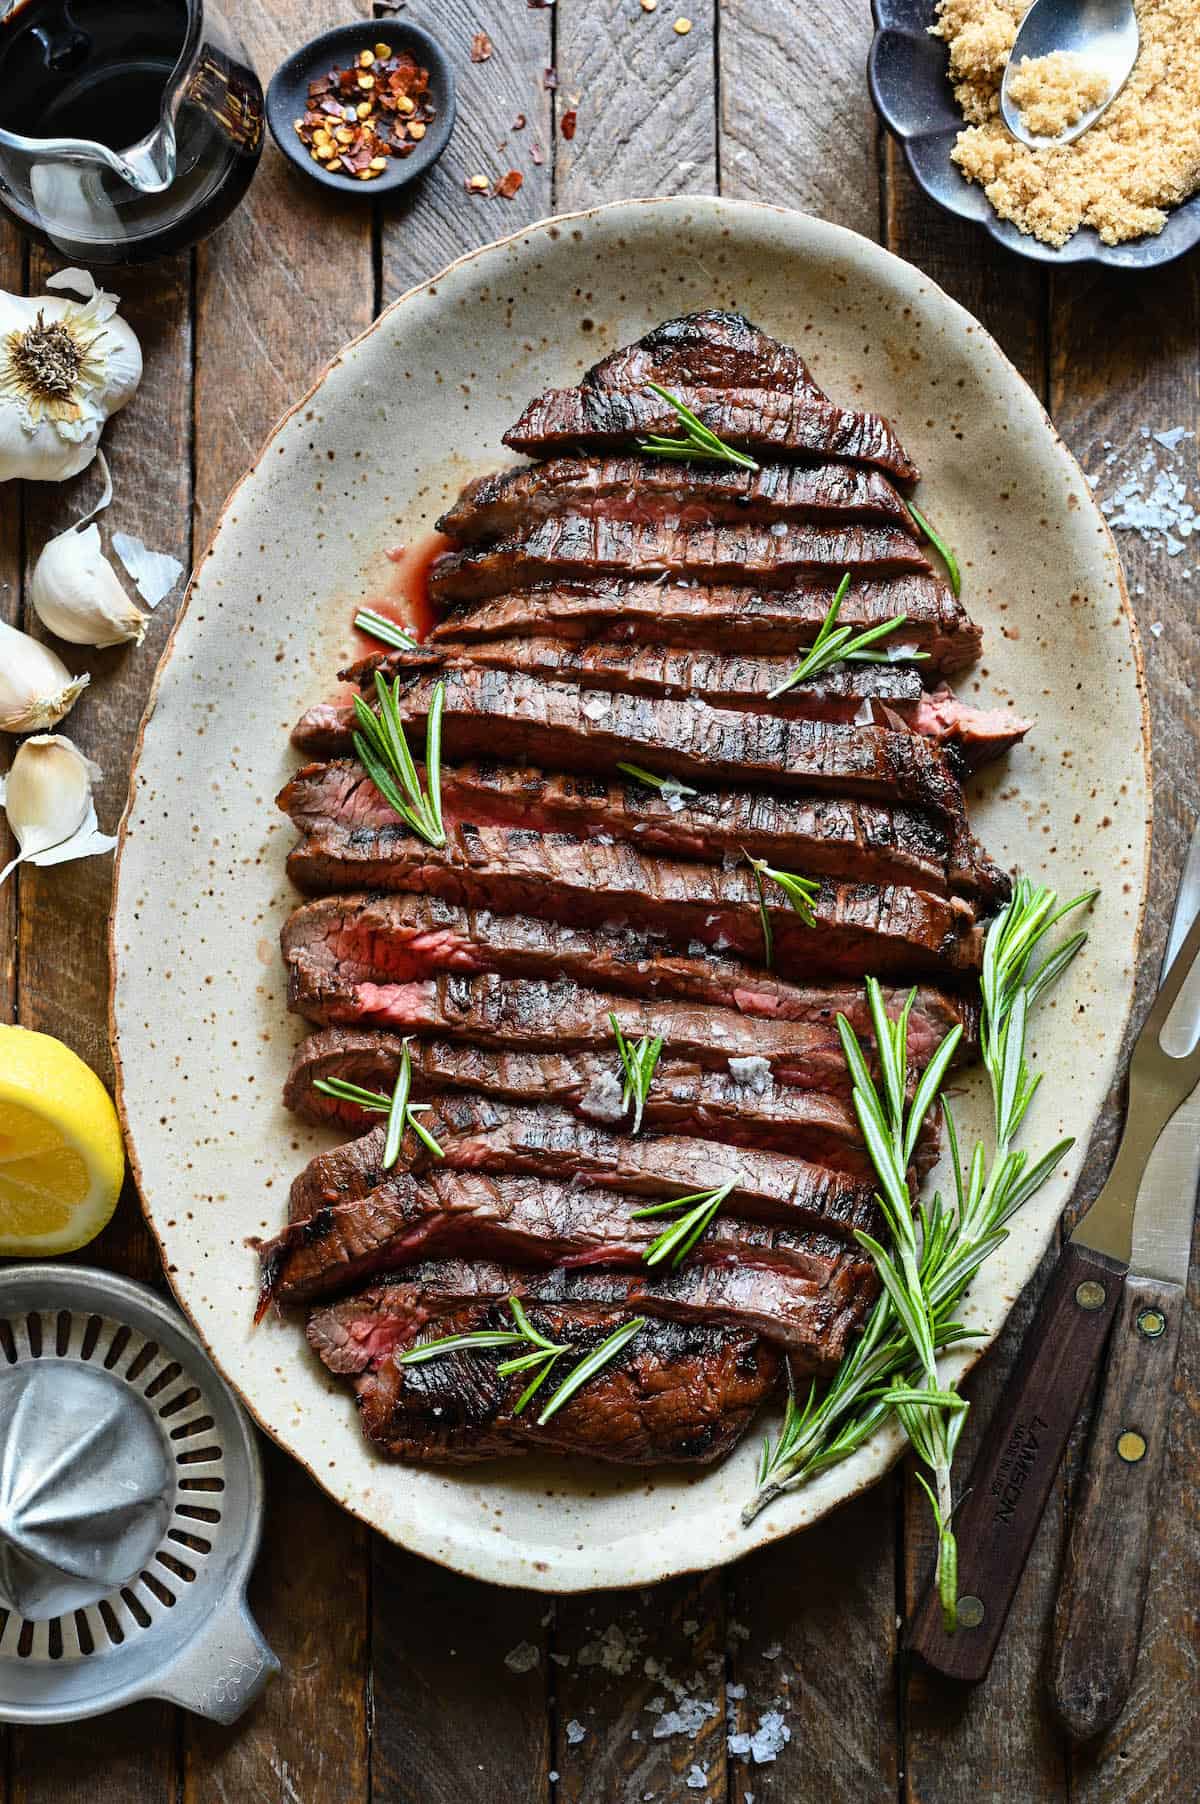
(98, 70)
(88, 68)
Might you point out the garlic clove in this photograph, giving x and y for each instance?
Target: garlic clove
(36, 688)
(77, 594)
(47, 796)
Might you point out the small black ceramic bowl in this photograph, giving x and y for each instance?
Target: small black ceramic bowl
(909, 83)
(287, 99)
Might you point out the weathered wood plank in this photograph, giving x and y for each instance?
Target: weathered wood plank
(125, 1758)
(821, 1646)
(796, 126)
(437, 220)
(1124, 365)
(640, 1694)
(459, 1683)
(278, 289)
(642, 94)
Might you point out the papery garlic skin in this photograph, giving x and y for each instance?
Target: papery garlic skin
(77, 594)
(65, 366)
(48, 798)
(36, 688)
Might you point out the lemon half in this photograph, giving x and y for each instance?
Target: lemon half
(61, 1156)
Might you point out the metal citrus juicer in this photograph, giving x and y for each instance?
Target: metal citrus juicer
(130, 1506)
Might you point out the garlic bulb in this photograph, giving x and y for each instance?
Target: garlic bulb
(65, 365)
(48, 798)
(36, 688)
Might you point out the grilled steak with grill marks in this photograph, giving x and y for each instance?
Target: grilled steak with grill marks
(347, 954)
(613, 407)
(741, 1106)
(648, 488)
(835, 835)
(573, 547)
(681, 1391)
(729, 618)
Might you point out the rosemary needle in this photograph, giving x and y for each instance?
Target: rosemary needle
(801, 892)
(940, 546)
(382, 750)
(667, 787)
(842, 645)
(595, 1361)
(682, 1235)
(399, 1111)
(637, 1063)
(367, 620)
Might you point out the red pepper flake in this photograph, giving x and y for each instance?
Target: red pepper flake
(518, 124)
(481, 47)
(550, 78)
(359, 117)
(566, 124)
(508, 184)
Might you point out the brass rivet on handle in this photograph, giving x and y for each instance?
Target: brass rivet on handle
(970, 1612)
(1131, 1446)
(1090, 1294)
(1151, 1323)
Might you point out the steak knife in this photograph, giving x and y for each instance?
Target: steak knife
(1123, 1258)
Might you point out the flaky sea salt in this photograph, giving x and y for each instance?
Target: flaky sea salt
(614, 1651)
(688, 1719)
(602, 1101)
(697, 1779)
(751, 1073)
(575, 1732)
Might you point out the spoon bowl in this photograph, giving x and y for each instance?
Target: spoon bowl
(1102, 34)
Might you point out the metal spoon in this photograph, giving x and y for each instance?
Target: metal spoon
(1102, 33)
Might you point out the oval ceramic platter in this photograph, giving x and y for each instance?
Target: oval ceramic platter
(401, 418)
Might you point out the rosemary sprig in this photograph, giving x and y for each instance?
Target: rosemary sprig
(930, 1262)
(637, 1063)
(367, 620)
(541, 1361)
(698, 442)
(679, 1239)
(801, 892)
(400, 1112)
(595, 1361)
(940, 546)
(842, 645)
(382, 750)
(667, 787)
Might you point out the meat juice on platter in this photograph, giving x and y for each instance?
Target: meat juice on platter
(610, 659)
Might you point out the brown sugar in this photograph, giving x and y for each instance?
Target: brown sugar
(1053, 92)
(1142, 156)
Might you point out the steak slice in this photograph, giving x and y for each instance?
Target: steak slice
(681, 1391)
(496, 714)
(650, 488)
(742, 394)
(730, 618)
(741, 1105)
(722, 679)
(821, 835)
(859, 928)
(532, 1221)
(486, 1134)
(351, 956)
(575, 547)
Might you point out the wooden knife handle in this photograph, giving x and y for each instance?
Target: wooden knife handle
(1102, 1595)
(1005, 1495)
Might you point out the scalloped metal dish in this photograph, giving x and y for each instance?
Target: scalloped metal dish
(906, 73)
(200, 1029)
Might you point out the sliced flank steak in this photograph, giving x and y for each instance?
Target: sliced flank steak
(351, 956)
(578, 547)
(636, 487)
(869, 842)
(361, 1331)
(495, 714)
(728, 617)
(730, 391)
(681, 1391)
(858, 928)
(740, 1105)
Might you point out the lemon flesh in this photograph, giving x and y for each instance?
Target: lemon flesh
(61, 1157)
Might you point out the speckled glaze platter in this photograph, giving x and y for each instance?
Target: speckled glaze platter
(400, 419)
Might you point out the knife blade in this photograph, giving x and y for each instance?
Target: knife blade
(1014, 1470)
(1102, 1594)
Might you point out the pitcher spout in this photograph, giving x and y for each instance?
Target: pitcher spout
(149, 165)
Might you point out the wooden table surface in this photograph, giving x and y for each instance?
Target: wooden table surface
(394, 1683)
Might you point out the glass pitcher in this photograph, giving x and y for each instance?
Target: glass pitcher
(128, 128)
